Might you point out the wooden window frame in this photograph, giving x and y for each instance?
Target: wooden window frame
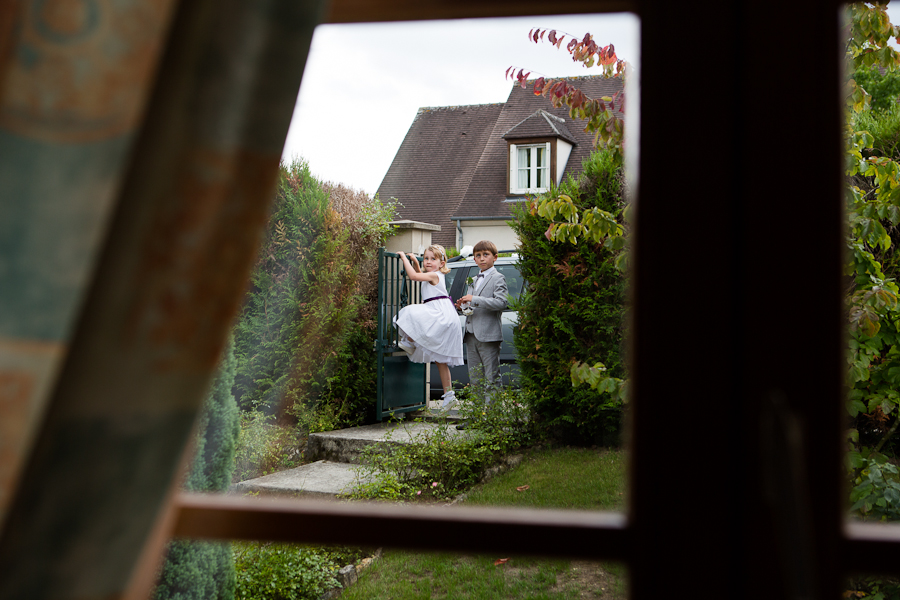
(735, 432)
(513, 171)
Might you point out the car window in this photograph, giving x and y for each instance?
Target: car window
(514, 280)
(450, 277)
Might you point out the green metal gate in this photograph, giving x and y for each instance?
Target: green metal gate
(401, 383)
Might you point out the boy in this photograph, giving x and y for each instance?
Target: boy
(487, 296)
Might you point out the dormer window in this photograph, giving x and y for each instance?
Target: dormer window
(539, 148)
(532, 167)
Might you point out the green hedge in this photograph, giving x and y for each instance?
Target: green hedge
(305, 334)
(572, 309)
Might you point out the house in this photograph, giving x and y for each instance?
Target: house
(464, 167)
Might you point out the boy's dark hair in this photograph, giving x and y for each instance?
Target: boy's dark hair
(485, 245)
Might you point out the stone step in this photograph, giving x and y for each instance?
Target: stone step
(321, 479)
(336, 456)
(348, 445)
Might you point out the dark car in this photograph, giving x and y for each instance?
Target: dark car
(460, 270)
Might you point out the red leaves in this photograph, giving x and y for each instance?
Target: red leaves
(538, 86)
(501, 561)
(585, 51)
(523, 78)
(577, 98)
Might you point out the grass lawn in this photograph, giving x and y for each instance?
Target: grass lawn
(581, 479)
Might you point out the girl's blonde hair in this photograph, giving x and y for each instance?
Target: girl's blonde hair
(440, 254)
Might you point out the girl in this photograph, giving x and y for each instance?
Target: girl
(430, 332)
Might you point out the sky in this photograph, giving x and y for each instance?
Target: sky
(364, 83)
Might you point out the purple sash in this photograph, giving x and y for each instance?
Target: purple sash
(438, 298)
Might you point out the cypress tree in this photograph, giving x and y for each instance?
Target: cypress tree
(205, 570)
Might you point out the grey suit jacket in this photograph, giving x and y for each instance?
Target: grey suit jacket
(488, 306)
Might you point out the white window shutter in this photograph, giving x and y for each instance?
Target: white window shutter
(547, 174)
(513, 177)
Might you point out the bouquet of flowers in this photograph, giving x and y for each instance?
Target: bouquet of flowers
(466, 307)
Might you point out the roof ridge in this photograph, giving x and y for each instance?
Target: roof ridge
(459, 106)
(572, 78)
(551, 115)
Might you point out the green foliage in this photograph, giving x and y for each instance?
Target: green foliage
(269, 571)
(204, 570)
(219, 429)
(197, 571)
(501, 417)
(884, 129)
(438, 464)
(873, 588)
(443, 461)
(876, 488)
(573, 308)
(306, 329)
(873, 211)
(883, 88)
(265, 446)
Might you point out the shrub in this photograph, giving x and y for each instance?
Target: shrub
(876, 488)
(306, 330)
(269, 571)
(572, 310)
(442, 463)
(265, 446)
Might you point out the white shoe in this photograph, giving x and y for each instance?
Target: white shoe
(406, 346)
(448, 400)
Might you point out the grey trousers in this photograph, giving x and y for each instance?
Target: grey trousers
(483, 360)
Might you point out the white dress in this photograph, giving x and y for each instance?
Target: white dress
(433, 326)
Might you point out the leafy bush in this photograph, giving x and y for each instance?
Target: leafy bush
(876, 487)
(204, 570)
(265, 446)
(438, 464)
(442, 462)
(883, 88)
(269, 571)
(572, 311)
(306, 329)
(502, 417)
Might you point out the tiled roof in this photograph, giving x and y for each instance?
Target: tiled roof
(453, 161)
(435, 163)
(540, 124)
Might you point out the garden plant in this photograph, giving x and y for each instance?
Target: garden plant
(442, 462)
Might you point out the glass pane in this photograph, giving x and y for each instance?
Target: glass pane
(450, 277)
(514, 280)
(524, 157)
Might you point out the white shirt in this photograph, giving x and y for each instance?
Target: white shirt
(480, 280)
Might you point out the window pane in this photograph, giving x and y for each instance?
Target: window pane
(524, 180)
